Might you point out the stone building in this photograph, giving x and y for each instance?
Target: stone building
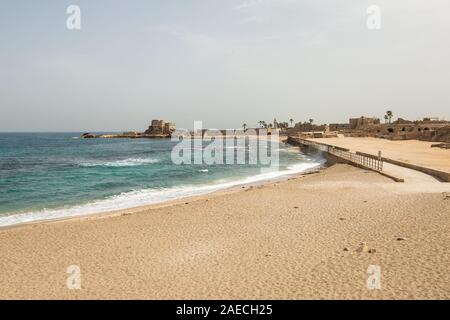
(404, 130)
(160, 127)
(308, 127)
(169, 127)
(309, 130)
(363, 122)
(339, 126)
(401, 129)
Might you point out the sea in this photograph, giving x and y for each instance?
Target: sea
(58, 175)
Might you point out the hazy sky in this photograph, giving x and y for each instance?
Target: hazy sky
(224, 62)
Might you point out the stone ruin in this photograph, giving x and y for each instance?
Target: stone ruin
(160, 127)
(427, 129)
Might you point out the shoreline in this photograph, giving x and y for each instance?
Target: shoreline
(167, 203)
(131, 199)
(294, 239)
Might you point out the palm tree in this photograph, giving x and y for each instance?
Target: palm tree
(389, 115)
(386, 118)
(291, 121)
(310, 124)
(244, 126)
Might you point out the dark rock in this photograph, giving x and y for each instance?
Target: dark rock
(88, 136)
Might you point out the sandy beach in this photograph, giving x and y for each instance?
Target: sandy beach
(244, 150)
(296, 239)
(409, 151)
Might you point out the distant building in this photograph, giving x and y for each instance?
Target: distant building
(160, 127)
(401, 129)
(308, 127)
(169, 127)
(429, 129)
(339, 126)
(361, 122)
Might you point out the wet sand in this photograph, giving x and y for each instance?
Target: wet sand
(287, 240)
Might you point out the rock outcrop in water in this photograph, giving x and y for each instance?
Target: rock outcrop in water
(157, 129)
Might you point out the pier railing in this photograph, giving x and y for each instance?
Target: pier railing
(366, 161)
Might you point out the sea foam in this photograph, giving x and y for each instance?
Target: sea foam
(131, 162)
(149, 196)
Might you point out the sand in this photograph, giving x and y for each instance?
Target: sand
(287, 240)
(410, 151)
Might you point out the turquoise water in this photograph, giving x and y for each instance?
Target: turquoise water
(53, 175)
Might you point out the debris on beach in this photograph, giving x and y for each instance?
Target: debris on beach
(310, 172)
(401, 238)
(363, 247)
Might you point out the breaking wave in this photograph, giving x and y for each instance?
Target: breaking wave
(149, 196)
(131, 162)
